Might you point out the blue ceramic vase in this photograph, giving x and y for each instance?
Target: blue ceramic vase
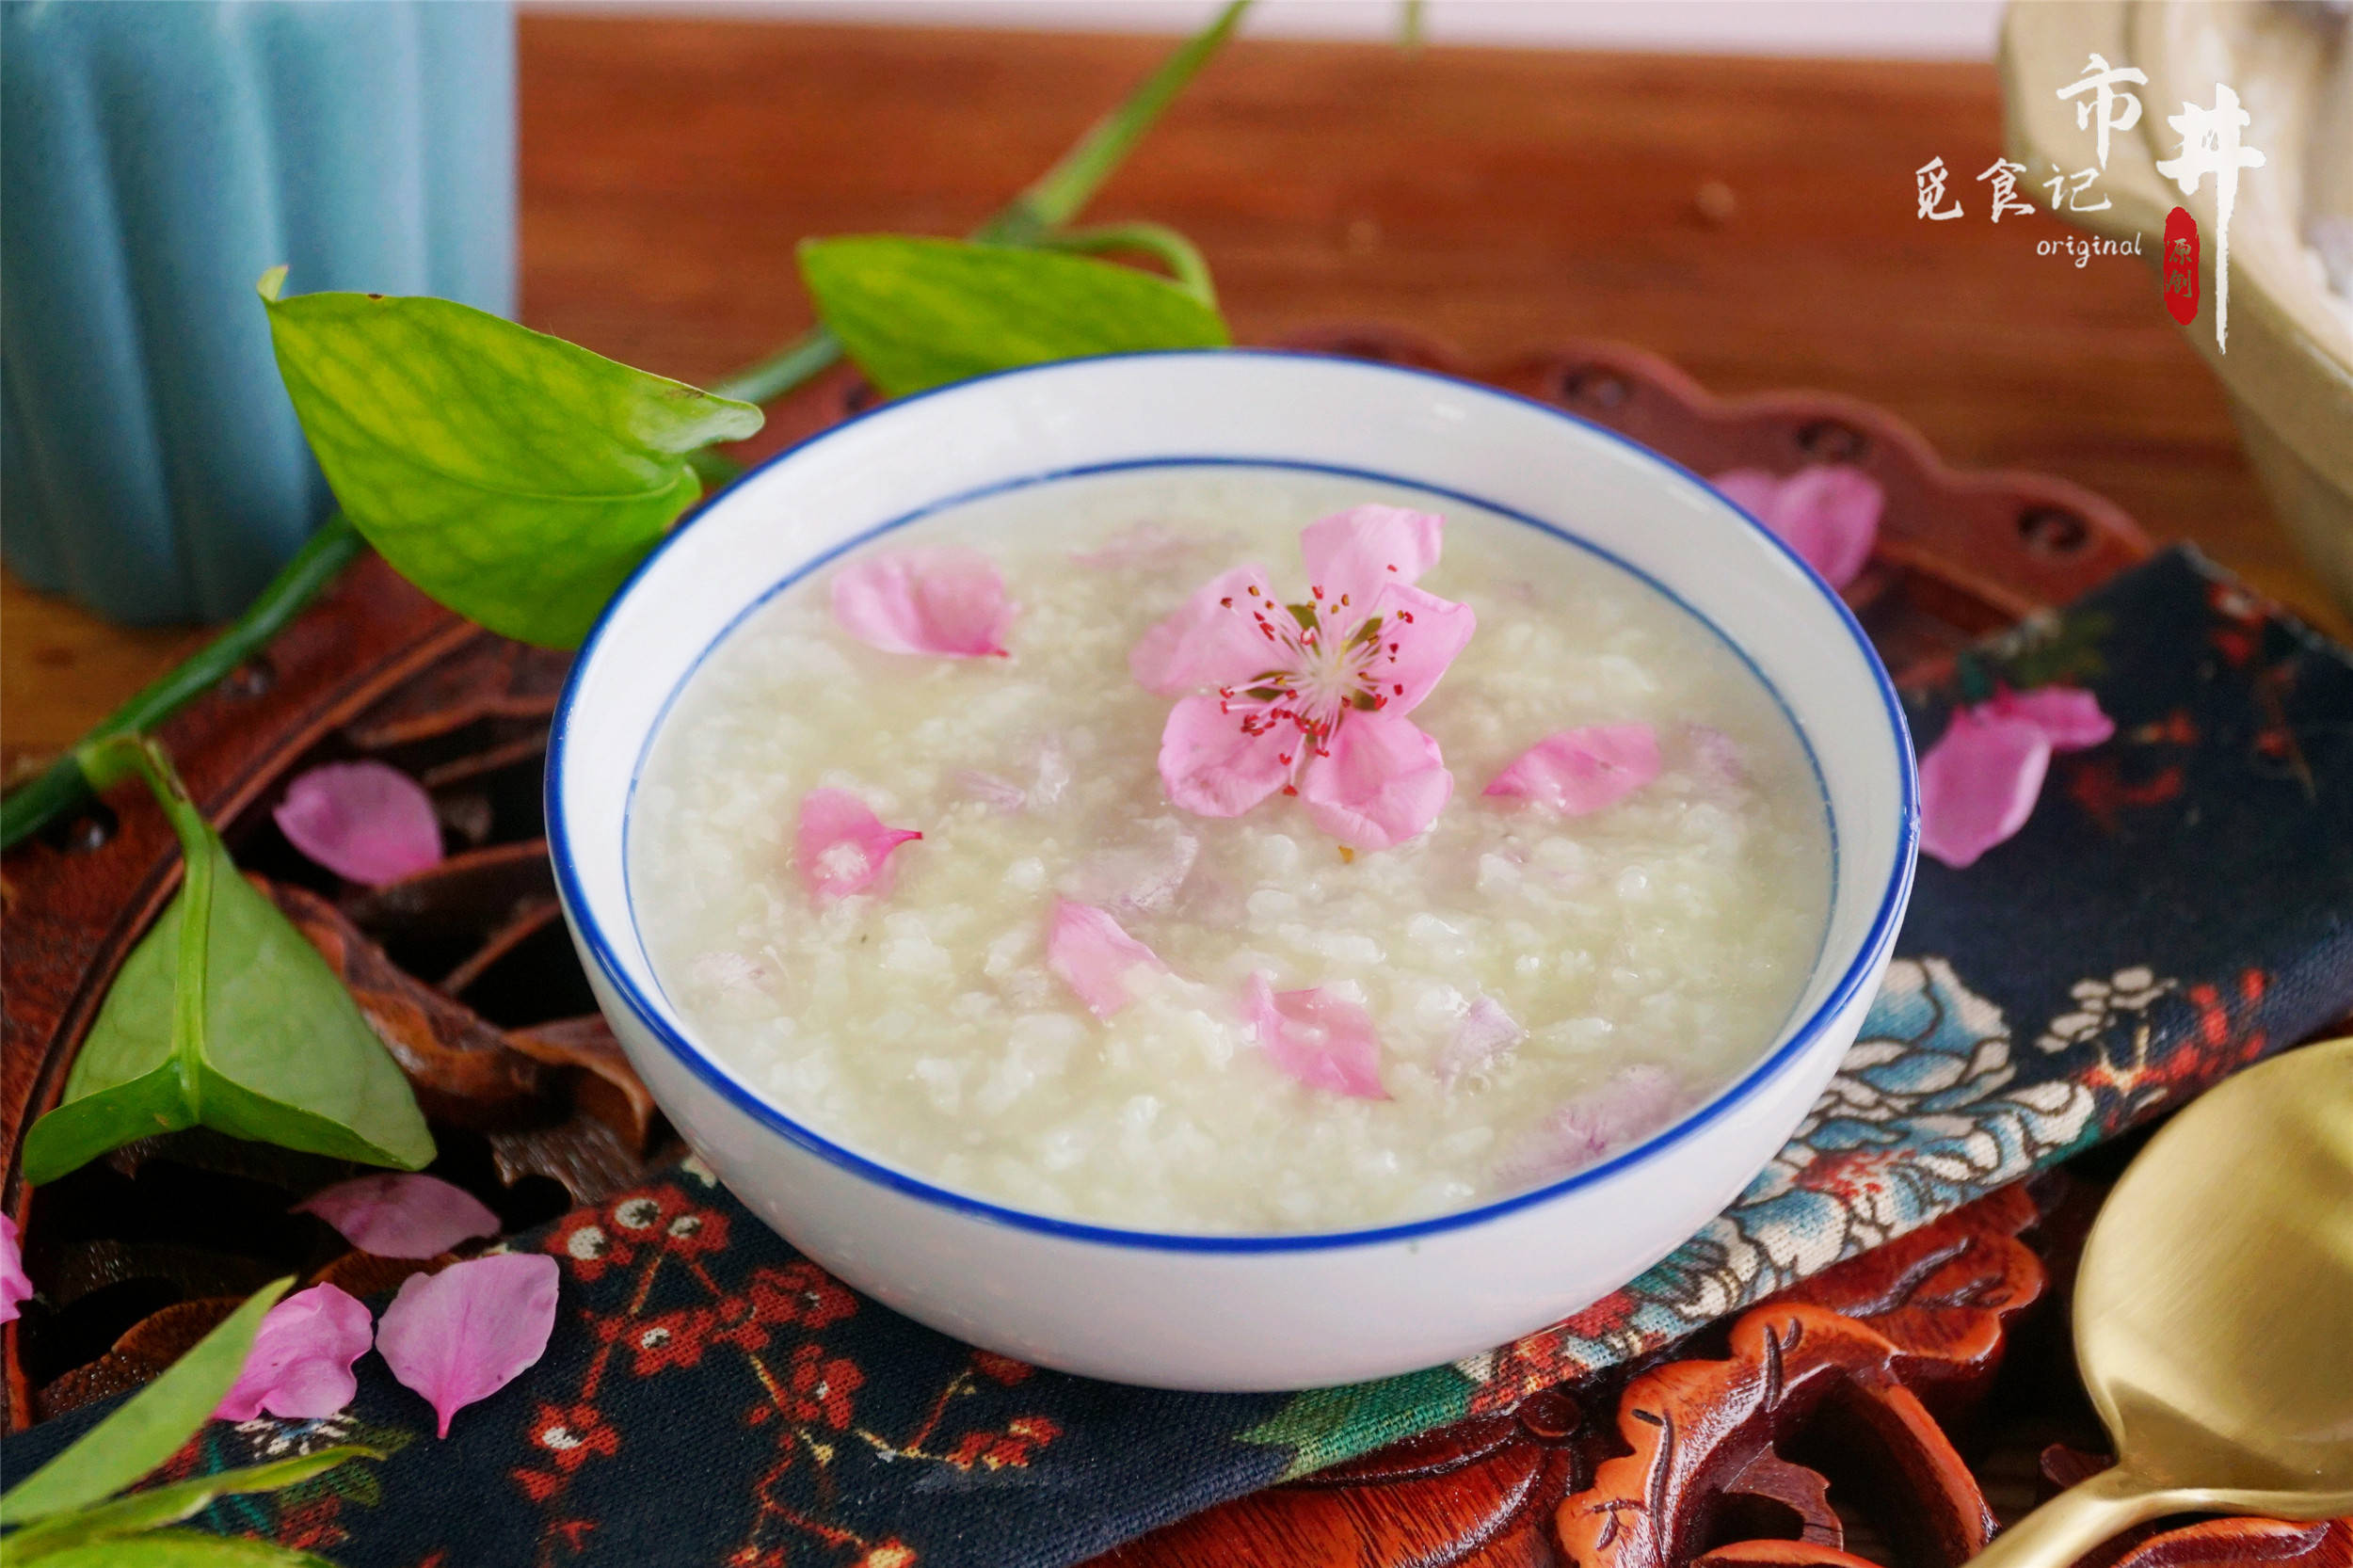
(158, 156)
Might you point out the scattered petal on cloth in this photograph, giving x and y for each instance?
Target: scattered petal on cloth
(1636, 1102)
(14, 1286)
(1579, 772)
(1310, 699)
(397, 1214)
(1485, 1033)
(1325, 1042)
(944, 600)
(1980, 783)
(363, 821)
(1829, 514)
(462, 1334)
(1095, 957)
(841, 847)
(299, 1366)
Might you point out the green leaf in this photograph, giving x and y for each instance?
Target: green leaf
(183, 1550)
(923, 313)
(168, 1505)
(514, 476)
(1323, 1426)
(148, 1429)
(231, 1021)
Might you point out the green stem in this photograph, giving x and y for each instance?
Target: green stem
(63, 786)
(1182, 257)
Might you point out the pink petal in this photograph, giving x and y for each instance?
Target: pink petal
(1213, 639)
(1579, 772)
(1001, 795)
(363, 821)
(1380, 781)
(942, 600)
(463, 1335)
(841, 846)
(1636, 1102)
(1978, 784)
(2069, 717)
(14, 1284)
(1095, 957)
(299, 1366)
(1420, 633)
(398, 1215)
(1210, 768)
(1142, 544)
(1485, 1034)
(1142, 880)
(1320, 1039)
(1829, 514)
(1366, 549)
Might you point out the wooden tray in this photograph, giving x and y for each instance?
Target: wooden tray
(467, 972)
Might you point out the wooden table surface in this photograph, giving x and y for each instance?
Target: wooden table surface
(1500, 199)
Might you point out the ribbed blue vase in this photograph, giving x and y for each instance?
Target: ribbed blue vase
(158, 155)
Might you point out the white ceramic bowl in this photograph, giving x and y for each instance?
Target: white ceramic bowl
(1232, 1312)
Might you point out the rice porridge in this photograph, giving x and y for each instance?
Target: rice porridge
(1286, 862)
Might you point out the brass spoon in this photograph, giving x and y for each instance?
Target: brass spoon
(2214, 1315)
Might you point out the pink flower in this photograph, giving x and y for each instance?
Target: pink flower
(1481, 1039)
(14, 1285)
(1829, 514)
(299, 1366)
(466, 1333)
(363, 821)
(1978, 784)
(841, 846)
(1636, 1102)
(1579, 772)
(943, 600)
(1310, 699)
(1323, 1040)
(1095, 957)
(394, 1214)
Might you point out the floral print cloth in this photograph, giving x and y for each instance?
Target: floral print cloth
(2180, 902)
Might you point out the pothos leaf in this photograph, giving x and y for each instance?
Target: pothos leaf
(923, 313)
(223, 1015)
(150, 1428)
(167, 1505)
(514, 476)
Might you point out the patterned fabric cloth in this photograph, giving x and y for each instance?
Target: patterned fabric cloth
(2181, 903)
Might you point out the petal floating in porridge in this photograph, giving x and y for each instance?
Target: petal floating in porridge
(841, 847)
(1378, 783)
(726, 972)
(1416, 635)
(1051, 776)
(1225, 634)
(363, 821)
(942, 600)
(1143, 544)
(1354, 555)
(1828, 513)
(1481, 1039)
(1324, 1041)
(14, 1286)
(2070, 716)
(1579, 772)
(1141, 879)
(1214, 767)
(1636, 1102)
(1001, 795)
(299, 1367)
(1095, 957)
(1716, 758)
(1978, 784)
(395, 1214)
(464, 1334)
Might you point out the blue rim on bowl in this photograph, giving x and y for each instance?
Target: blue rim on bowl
(1879, 939)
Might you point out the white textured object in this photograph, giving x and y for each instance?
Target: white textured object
(1233, 1312)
